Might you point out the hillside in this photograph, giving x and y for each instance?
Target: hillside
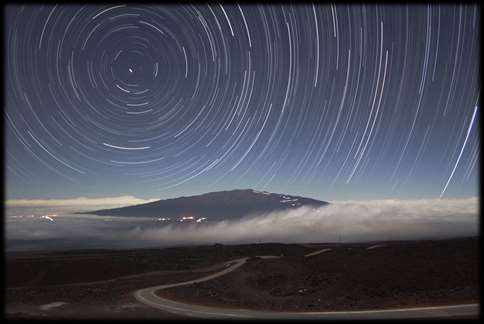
(213, 206)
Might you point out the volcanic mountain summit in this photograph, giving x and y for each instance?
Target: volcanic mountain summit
(213, 206)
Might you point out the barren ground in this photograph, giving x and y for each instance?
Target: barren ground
(100, 284)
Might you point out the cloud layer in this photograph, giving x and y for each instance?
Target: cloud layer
(80, 201)
(350, 221)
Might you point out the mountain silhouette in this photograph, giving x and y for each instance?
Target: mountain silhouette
(213, 206)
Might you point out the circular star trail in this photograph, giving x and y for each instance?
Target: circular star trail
(347, 99)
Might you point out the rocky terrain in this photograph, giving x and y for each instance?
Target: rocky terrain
(309, 277)
(348, 277)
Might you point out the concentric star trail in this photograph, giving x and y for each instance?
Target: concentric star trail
(329, 101)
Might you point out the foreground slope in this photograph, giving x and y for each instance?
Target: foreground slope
(346, 277)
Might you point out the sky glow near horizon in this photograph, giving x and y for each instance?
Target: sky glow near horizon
(334, 102)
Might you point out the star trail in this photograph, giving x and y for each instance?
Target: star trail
(324, 100)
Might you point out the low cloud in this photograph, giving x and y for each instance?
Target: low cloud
(348, 221)
(80, 201)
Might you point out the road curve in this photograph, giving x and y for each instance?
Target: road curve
(148, 297)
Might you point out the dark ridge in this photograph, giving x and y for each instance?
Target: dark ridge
(213, 206)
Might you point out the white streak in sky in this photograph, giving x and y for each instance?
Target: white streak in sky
(461, 150)
(127, 148)
(227, 18)
(186, 62)
(106, 10)
(140, 162)
(45, 26)
(153, 26)
(57, 159)
(317, 48)
(246, 27)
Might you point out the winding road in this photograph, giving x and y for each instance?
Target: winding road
(148, 297)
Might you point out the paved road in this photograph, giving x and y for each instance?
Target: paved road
(316, 252)
(148, 297)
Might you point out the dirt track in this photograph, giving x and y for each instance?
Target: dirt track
(429, 273)
(348, 277)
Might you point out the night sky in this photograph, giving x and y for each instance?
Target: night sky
(325, 101)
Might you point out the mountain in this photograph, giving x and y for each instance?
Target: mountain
(213, 206)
